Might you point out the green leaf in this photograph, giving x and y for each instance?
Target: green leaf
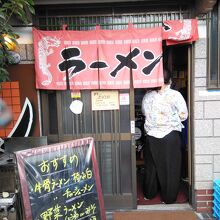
(9, 9)
(6, 5)
(31, 9)
(4, 75)
(2, 15)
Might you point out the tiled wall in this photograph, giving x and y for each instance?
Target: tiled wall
(204, 200)
(206, 114)
(26, 52)
(9, 92)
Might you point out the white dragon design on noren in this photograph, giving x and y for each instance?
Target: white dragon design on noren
(185, 32)
(44, 50)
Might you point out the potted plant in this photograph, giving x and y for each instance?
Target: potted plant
(10, 9)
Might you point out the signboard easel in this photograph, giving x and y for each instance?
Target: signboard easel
(61, 181)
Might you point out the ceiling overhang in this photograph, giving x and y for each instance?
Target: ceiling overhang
(56, 2)
(204, 6)
(197, 6)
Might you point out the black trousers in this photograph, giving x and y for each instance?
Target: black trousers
(162, 166)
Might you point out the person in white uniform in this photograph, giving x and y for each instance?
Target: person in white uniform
(164, 110)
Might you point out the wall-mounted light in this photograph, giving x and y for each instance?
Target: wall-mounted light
(10, 42)
(11, 45)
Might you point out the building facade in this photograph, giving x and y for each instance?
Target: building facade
(203, 151)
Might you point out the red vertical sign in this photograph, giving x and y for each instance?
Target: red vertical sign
(114, 50)
(106, 59)
(149, 70)
(82, 57)
(180, 31)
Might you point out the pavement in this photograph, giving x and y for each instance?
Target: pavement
(201, 216)
(205, 216)
(171, 207)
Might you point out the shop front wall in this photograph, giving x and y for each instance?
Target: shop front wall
(205, 128)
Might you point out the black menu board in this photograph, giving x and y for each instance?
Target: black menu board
(61, 181)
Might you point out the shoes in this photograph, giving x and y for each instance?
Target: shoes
(146, 198)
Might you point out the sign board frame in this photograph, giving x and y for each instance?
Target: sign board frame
(83, 151)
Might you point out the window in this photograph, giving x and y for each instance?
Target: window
(214, 48)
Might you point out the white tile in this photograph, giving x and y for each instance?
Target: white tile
(203, 128)
(203, 172)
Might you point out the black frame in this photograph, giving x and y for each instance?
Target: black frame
(214, 48)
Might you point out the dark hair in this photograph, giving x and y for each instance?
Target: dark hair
(167, 76)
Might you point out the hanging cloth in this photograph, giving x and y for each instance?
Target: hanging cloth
(180, 31)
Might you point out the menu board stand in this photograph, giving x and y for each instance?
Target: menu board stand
(61, 181)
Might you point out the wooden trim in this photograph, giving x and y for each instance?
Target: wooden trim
(122, 201)
(45, 113)
(99, 137)
(59, 116)
(54, 2)
(191, 139)
(133, 151)
(190, 104)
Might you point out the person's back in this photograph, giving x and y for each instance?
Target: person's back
(162, 111)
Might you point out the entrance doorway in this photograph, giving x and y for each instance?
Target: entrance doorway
(176, 59)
